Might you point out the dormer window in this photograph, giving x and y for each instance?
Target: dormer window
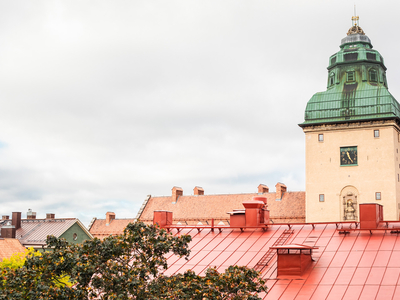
(351, 76)
(373, 77)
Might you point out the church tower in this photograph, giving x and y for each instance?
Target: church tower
(352, 136)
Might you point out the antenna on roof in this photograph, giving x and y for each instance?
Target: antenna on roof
(354, 18)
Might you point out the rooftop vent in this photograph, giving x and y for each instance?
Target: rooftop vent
(293, 259)
(370, 215)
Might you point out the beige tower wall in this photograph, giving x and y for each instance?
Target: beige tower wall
(377, 170)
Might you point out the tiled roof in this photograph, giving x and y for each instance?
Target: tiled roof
(35, 231)
(10, 246)
(100, 230)
(358, 265)
(291, 208)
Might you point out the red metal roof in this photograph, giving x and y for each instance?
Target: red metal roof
(357, 265)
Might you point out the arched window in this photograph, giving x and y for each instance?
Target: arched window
(331, 79)
(373, 77)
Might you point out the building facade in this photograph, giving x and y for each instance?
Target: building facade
(352, 137)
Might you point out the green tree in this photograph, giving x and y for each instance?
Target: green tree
(128, 266)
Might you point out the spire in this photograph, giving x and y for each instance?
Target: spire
(355, 29)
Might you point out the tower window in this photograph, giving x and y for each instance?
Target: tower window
(373, 75)
(378, 196)
(320, 137)
(333, 60)
(371, 56)
(376, 133)
(351, 76)
(350, 56)
(321, 198)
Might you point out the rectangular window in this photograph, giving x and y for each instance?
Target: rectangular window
(376, 133)
(320, 137)
(350, 56)
(321, 197)
(350, 76)
(378, 196)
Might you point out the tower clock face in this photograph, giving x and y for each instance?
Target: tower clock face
(348, 156)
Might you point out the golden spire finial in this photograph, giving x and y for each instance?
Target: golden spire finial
(354, 18)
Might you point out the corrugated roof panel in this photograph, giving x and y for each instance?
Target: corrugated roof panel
(376, 275)
(385, 292)
(369, 292)
(321, 292)
(367, 259)
(353, 292)
(336, 292)
(382, 258)
(360, 276)
(391, 276)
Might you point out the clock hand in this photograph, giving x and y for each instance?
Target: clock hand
(348, 155)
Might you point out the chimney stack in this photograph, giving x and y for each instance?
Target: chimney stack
(30, 214)
(8, 231)
(176, 192)
(280, 189)
(198, 191)
(262, 188)
(50, 216)
(109, 217)
(16, 220)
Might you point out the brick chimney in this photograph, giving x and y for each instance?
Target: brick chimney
(16, 220)
(280, 189)
(109, 217)
(176, 192)
(30, 214)
(50, 216)
(262, 188)
(198, 191)
(8, 231)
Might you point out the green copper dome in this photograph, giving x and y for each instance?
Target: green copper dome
(357, 88)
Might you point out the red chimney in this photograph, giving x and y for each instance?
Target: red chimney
(176, 192)
(370, 215)
(162, 217)
(109, 217)
(16, 220)
(262, 188)
(198, 191)
(280, 189)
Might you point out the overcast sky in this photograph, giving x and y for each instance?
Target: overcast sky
(105, 102)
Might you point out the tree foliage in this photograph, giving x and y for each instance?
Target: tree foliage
(128, 266)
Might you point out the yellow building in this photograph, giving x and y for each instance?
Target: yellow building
(352, 137)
